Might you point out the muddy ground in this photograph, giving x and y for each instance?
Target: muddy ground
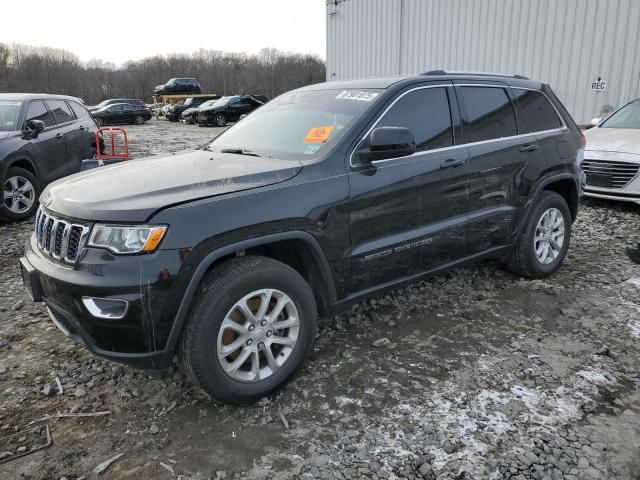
(482, 375)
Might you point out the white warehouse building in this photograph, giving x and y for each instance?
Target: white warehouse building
(587, 50)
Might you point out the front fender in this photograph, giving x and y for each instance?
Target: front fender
(210, 259)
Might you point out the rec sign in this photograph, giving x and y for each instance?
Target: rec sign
(599, 85)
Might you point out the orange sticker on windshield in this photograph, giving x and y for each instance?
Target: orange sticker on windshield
(318, 134)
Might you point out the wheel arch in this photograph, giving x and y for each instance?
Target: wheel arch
(297, 249)
(21, 162)
(567, 187)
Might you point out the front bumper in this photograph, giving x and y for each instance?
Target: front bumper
(146, 282)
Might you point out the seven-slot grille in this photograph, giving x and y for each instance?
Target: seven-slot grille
(616, 174)
(59, 238)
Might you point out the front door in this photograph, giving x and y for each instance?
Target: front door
(408, 214)
(49, 148)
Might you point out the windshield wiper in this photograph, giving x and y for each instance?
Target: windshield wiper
(239, 151)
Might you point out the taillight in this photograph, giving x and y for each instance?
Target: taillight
(147, 109)
(583, 140)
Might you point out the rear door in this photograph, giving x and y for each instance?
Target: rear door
(75, 137)
(87, 129)
(537, 116)
(49, 149)
(498, 184)
(408, 214)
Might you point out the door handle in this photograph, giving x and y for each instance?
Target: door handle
(452, 162)
(82, 127)
(59, 135)
(528, 148)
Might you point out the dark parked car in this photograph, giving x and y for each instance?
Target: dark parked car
(177, 86)
(122, 113)
(190, 115)
(133, 101)
(42, 138)
(229, 109)
(325, 196)
(174, 111)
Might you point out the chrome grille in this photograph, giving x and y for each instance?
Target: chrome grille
(617, 174)
(60, 239)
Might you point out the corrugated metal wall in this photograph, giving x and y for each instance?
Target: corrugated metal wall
(566, 43)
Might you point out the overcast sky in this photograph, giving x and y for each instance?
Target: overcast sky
(121, 30)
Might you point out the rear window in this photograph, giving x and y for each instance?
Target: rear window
(489, 115)
(79, 110)
(60, 111)
(537, 112)
(37, 111)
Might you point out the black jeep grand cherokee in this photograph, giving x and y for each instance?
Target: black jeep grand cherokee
(326, 195)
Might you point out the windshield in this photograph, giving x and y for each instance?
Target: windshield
(208, 103)
(9, 111)
(297, 125)
(221, 102)
(627, 117)
(103, 103)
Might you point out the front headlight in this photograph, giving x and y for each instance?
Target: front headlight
(127, 238)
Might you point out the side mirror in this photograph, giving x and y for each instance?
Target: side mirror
(34, 127)
(389, 142)
(595, 121)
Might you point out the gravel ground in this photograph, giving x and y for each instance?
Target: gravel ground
(472, 374)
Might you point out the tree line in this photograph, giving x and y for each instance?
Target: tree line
(50, 70)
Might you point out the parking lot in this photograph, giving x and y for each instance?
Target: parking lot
(470, 374)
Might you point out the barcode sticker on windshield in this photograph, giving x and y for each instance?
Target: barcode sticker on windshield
(355, 95)
(9, 102)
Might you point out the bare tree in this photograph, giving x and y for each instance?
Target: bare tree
(50, 70)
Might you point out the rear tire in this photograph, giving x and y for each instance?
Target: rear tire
(544, 241)
(218, 319)
(139, 120)
(20, 190)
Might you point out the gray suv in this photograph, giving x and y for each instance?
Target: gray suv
(42, 138)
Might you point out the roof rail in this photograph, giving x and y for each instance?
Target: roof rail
(478, 74)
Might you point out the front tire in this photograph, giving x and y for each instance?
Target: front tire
(19, 194)
(250, 329)
(220, 120)
(541, 247)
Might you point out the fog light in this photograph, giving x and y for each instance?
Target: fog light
(109, 308)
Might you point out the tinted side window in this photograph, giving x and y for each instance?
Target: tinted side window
(79, 110)
(37, 111)
(60, 111)
(426, 113)
(490, 114)
(537, 113)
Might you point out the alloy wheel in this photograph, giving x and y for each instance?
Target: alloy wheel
(18, 194)
(258, 335)
(549, 236)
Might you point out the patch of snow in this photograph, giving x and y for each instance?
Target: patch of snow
(634, 327)
(595, 377)
(634, 281)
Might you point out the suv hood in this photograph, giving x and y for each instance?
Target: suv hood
(133, 190)
(622, 140)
